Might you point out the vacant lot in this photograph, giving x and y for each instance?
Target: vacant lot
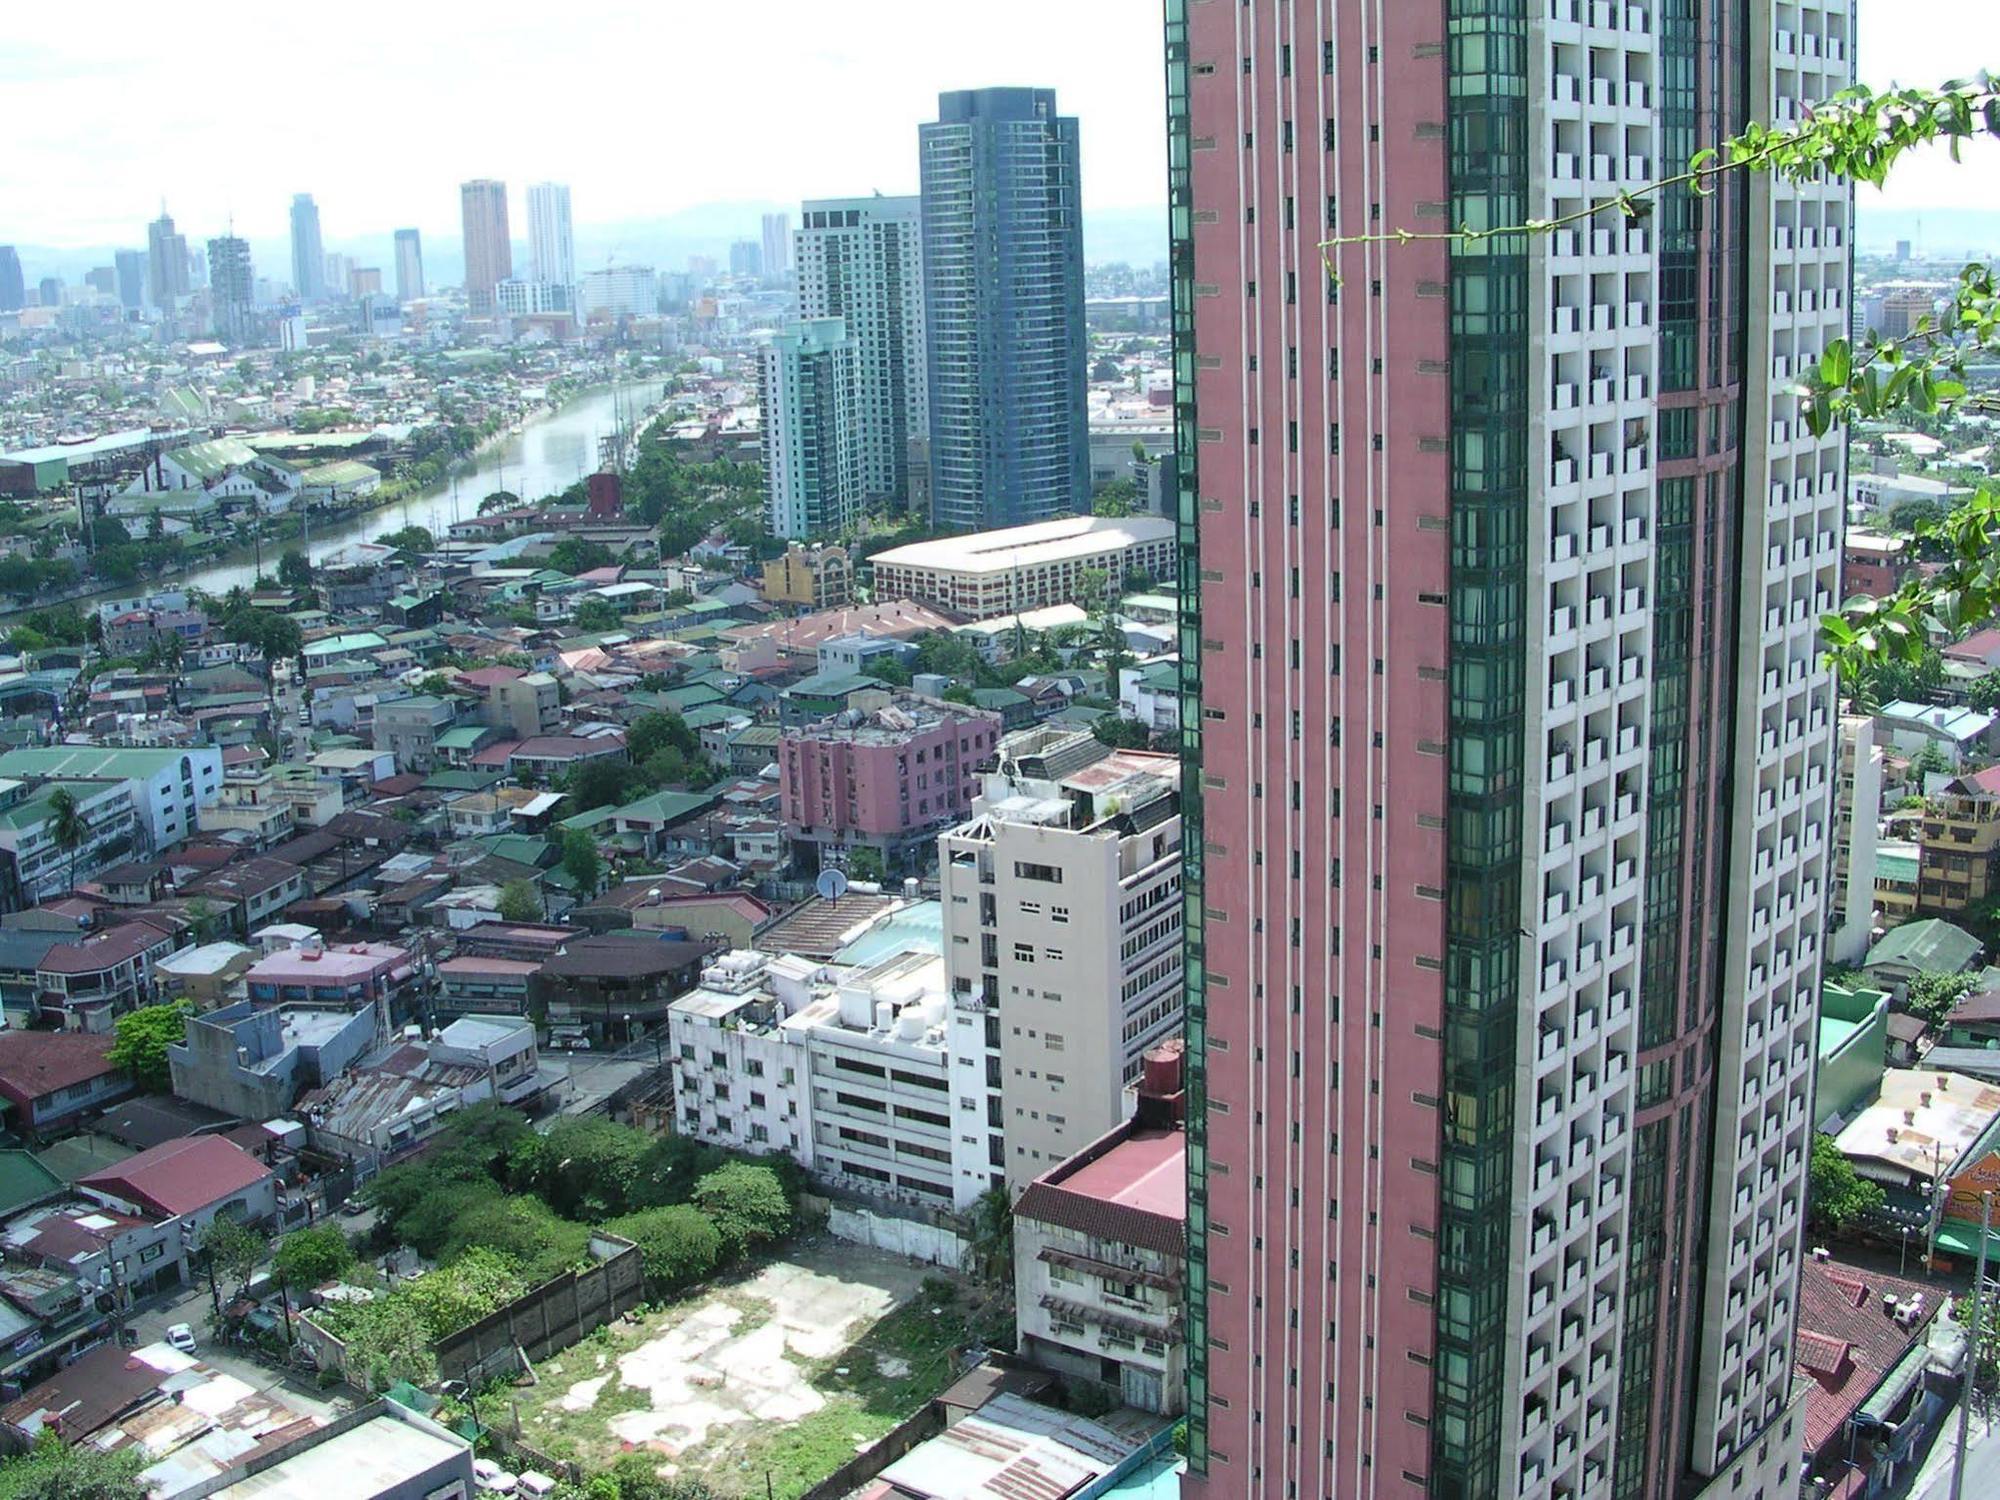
(786, 1371)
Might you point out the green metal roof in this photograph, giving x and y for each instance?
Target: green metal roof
(94, 761)
(213, 459)
(340, 471)
(595, 818)
(703, 715)
(462, 781)
(694, 695)
(521, 848)
(1899, 868)
(23, 1180)
(1931, 946)
(341, 645)
(464, 737)
(667, 807)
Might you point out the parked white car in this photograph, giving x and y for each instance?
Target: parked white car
(181, 1337)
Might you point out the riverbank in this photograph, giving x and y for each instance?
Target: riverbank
(551, 452)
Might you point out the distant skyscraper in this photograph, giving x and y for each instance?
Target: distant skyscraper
(13, 287)
(338, 274)
(131, 268)
(409, 265)
(861, 260)
(49, 291)
(1003, 308)
(166, 264)
(1507, 747)
(489, 252)
(364, 281)
(551, 246)
(812, 480)
(777, 244)
(102, 279)
(746, 258)
(232, 288)
(308, 252)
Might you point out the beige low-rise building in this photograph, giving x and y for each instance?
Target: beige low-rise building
(987, 573)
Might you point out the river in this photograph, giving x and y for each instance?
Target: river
(550, 453)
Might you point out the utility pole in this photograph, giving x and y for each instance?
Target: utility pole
(1972, 1349)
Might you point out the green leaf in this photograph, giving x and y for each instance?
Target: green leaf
(1836, 364)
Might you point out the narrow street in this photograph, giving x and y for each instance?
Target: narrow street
(190, 1305)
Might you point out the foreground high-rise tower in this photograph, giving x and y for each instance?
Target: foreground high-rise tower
(308, 251)
(1003, 294)
(489, 248)
(1506, 743)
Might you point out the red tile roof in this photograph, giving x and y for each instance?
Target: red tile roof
(34, 1064)
(488, 677)
(1984, 783)
(180, 1177)
(495, 755)
(1847, 1343)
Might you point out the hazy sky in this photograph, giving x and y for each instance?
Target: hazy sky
(380, 109)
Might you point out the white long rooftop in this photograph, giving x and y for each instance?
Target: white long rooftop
(1025, 546)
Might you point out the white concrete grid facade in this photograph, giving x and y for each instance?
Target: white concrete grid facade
(1786, 746)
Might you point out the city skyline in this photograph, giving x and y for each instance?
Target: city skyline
(85, 184)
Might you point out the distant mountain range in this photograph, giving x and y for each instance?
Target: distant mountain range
(1135, 236)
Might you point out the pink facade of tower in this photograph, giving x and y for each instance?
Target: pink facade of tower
(1321, 448)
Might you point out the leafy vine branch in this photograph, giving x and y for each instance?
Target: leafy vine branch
(1860, 134)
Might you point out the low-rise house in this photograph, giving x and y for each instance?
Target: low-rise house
(1932, 946)
(1861, 1361)
(1960, 862)
(665, 824)
(409, 728)
(1959, 734)
(251, 806)
(614, 986)
(346, 976)
(192, 1180)
(728, 919)
(250, 892)
(207, 975)
(547, 758)
(375, 1115)
(1100, 1247)
(740, 1078)
(475, 984)
(503, 1045)
(253, 1061)
(48, 1079)
(384, 1451)
(85, 985)
(458, 745)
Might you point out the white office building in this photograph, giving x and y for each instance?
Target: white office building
(619, 292)
(861, 260)
(812, 472)
(551, 245)
(1062, 926)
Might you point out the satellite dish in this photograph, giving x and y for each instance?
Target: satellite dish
(831, 885)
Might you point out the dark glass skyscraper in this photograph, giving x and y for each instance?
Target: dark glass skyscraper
(131, 268)
(308, 253)
(1003, 296)
(13, 290)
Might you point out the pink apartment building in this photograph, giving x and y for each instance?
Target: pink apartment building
(886, 779)
(1506, 742)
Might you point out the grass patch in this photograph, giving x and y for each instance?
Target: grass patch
(904, 1359)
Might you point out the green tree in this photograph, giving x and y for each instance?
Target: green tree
(387, 1341)
(55, 1470)
(653, 732)
(1931, 996)
(574, 555)
(139, 1044)
(747, 1203)
(595, 616)
(235, 1247)
(409, 539)
(1105, 369)
(993, 1236)
(1928, 761)
(1121, 733)
(521, 901)
(1984, 694)
(583, 1168)
(475, 1283)
(1116, 497)
(311, 1257)
(678, 1244)
(604, 783)
(668, 1170)
(295, 570)
(68, 827)
(277, 636)
(581, 861)
(864, 863)
(1835, 1193)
